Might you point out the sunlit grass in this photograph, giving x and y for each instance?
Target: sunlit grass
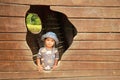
(34, 28)
(33, 23)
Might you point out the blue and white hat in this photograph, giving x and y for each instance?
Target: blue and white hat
(50, 35)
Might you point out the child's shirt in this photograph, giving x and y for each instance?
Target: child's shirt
(48, 57)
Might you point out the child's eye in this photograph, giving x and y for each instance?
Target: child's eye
(52, 40)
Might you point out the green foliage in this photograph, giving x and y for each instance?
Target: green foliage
(33, 23)
(33, 19)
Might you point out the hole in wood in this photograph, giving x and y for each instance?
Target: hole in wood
(50, 21)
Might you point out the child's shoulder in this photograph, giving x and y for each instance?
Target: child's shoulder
(55, 50)
(42, 49)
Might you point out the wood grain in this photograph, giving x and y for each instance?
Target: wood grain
(13, 36)
(13, 45)
(13, 10)
(82, 25)
(93, 55)
(87, 65)
(13, 66)
(93, 52)
(58, 74)
(79, 37)
(89, 12)
(17, 66)
(91, 58)
(97, 37)
(12, 24)
(15, 58)
(16, 52)
(115, 45)
(96, 25)
(66, 2)
(80, 78)
(69, 57)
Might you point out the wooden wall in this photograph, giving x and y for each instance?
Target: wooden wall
(93, 55)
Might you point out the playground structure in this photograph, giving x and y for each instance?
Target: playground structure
(94, 52)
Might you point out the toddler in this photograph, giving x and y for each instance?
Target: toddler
(47, 57)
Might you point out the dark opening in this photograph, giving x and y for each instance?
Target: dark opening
(51, 21)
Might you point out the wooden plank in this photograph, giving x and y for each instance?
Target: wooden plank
(91, 58)
(68, 52)
(108, 55)
(12, 36)
(17, 66)
(13, 10)
(84, 78)
(89, 65)
(95, 45)
(96, 25)
(16, 52)
(93, 52)
(13, 66)
(61, 74)
(66, 2)
(13, 45)
(71, 57)
(15, 58)
(79, 78)
(75, 45)
(12, 24)
(89, 12)
(98, 36)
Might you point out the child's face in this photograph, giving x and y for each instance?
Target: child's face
(49, 42)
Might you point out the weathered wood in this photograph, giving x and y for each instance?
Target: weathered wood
(68, 52)
(80, 78)
(85, 78)
(89, 55)
(95, 45)
(82, 25)
(91, 58)
(16, 52)
(89, 12)
(13, 45)
(66, 2)
(75, 45)
(15, 58)
(96, 25)
(13, 10)
(57, 74)
(12, 24)
(93, 52)
(80, 36)
(98, 36)
(13, 36)
(17, 66)
(64, 65)
(77, 65)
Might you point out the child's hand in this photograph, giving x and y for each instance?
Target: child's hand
(40, 68)
(54, 67)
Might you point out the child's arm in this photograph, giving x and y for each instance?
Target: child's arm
(40, 68)
(56, 59)
(55, 64)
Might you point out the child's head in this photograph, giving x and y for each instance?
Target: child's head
(50, 39)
